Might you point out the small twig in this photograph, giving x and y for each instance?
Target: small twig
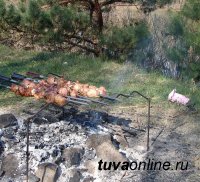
(123, 175)
(157, 136)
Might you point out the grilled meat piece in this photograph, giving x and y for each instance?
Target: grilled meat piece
(51, 80)
(102, 91)
(92, 92)
(61, 82)
(64, 91)
(14, 88)
(59, 100)
(73, 93)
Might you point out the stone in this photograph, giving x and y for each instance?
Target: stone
(47, 172)
(1, 133)
(2, 173)
(74, 175)
(92, 166)
(130, 130)
(95, 140)
(33, 178)
(108, 152)
(89, 155)
(89, 179)
(10, 165)
(72, 156)
(7, 120)
(197, 162)
(40, 154)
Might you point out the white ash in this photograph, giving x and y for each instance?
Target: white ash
(48, 140)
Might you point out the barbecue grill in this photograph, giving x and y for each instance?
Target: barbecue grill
(102, 100)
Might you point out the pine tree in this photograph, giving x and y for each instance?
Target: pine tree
(189, 17)
(71, 23)
(2, 8)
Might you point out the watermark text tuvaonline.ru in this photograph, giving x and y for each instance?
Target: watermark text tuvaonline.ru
(149, 164)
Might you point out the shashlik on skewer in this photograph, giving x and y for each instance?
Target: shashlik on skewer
(69, 88)
(102, 89)
(49, 97)
(29, 89)
(64, 90)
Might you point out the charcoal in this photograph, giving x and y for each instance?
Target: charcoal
(72, 156)
(74, 175)
(7, 120)
(62, 147)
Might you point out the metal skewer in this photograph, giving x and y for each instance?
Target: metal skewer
(92, 100)
(5, 86)
(77, 102)
(16, 76)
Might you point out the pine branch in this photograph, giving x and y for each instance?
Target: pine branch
(109, 2)
(94, 51)
(82, 39)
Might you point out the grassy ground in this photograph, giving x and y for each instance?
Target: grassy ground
(116, 77)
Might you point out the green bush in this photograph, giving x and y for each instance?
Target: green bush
(191, 9)
(122, 40)
(185, 27)
(163, 2)
(176, 25)
(2, 8)
(176, 55)
(12, 16)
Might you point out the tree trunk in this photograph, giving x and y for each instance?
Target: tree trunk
(98, 15)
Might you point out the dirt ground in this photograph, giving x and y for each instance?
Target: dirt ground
(174, 137)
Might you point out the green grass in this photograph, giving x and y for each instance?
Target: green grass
(116, 77)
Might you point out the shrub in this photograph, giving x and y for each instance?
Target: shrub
(175, 26)
(121, 40)
(191, 9)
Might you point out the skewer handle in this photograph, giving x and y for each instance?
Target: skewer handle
(17, 76)
(35, 75)
(55, 75)
(5, 86)
(4, 78)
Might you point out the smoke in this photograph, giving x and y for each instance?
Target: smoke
(123, 76)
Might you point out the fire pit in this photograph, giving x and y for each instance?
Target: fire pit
(74, 101)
